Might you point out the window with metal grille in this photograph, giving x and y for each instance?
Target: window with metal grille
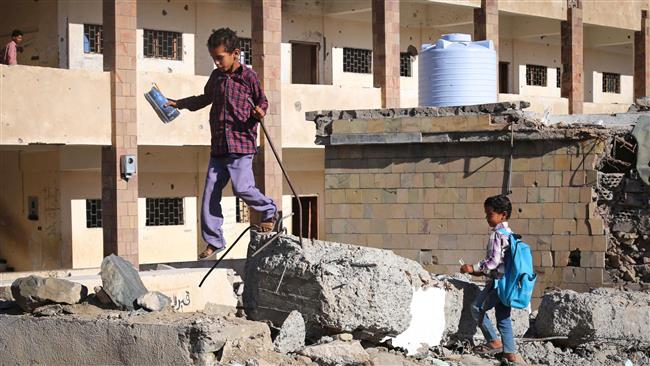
(164, 211)
(242, 215)
(405, 64)
(93, 213)
(558, 78)
(611, 83)
(163, 44)
(536, 75)
(93, 38)
(357, 60)
(245, 48)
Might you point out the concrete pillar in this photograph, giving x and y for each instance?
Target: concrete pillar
(572, 57)
(385, 50)
(486, 22)
(119, 195)
(642, 58)
(267, 37)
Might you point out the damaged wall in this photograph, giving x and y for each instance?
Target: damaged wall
(425, 200)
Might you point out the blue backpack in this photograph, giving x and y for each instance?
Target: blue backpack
(515, 288)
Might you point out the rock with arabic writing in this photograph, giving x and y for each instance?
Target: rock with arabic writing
(121, 282)
(153, 301)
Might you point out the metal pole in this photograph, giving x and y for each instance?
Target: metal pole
(284, 172)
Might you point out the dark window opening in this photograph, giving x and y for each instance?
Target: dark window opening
(242, 214)
(246, 51)
(93, 213)
(163, 44)
(357, 60)
(93, 38)
(536, 75)
(405, 64)
(164, 211)
(574, 258)
(503, 77)
(611, 83)
(309, 217)
(304, 63)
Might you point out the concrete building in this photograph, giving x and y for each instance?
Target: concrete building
(75, 104)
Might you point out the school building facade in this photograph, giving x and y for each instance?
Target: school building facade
(74, 106)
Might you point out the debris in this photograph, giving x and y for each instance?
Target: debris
(154, 301)
(121, 282)
(32, 292)
(345, 337)
(605, 315)
(332, 294)
(337, 353)
(102, 296)
(292, 334)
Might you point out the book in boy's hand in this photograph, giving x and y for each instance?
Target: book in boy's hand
(158, 101)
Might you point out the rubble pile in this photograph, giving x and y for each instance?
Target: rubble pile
(624, 203)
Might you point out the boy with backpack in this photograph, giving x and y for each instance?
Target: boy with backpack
(497, 212)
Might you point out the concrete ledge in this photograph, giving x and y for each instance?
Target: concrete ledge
(150, 339)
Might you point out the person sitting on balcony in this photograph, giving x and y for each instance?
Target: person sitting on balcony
(9, 53)
(233, 125)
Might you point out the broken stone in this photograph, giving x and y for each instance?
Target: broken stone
(32, 292)
(5, 293)
(338, 288)
(121, 282)
(337, 353)
(345, 337)
(292, 334)
(605, 315)
(102, 296)
(153, 301)
(623, 226)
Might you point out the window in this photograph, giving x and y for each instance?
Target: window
(611, 83)
(163, 44)
(164, 211)
(503, 77)
(536, 75)
(558, 77)
(241, 211)
(93, 38)
(246, 50)
(309, 217)
(93, 213)
(304, 63)
(357, 60)
(405, 64)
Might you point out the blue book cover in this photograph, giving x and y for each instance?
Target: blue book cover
(157, 101)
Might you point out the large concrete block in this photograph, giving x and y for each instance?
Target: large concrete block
(599, 315)
(336, 287)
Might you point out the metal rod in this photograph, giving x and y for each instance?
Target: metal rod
(284, 172)
(223, 256)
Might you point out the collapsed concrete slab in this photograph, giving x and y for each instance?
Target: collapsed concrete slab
(32, 292)
(116, 337)
(606, 315)
(336, 287)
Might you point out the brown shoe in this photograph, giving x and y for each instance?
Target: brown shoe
(208, 252)
(269, 225)
(490, 348)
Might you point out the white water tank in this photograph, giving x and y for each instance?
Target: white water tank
(456, 71)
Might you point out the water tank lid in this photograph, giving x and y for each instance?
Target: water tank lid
(457, 37)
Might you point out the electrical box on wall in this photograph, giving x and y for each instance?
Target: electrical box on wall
(32, 208)
(128, 166)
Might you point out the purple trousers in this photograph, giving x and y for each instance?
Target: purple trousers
(239, 169)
